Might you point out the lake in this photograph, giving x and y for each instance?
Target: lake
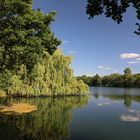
(106, 114)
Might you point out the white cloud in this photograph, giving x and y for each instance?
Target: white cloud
(71, 52)
(138, 59)
(103, 104)
(133, 111)
(134, 62)
(133, 117)
(129, 55)
(130, 118)
(104, 67)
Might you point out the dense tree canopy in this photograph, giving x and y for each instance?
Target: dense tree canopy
(96, 81)
(127, 71)
(24, 34)
(113, 80)
(29, 62)
(113, 8)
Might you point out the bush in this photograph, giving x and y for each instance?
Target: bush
(5, 82)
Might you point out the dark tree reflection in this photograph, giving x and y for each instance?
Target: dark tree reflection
(127, 99)
(50, 122)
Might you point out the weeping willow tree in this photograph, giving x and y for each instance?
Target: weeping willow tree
(51, 76)
(50, 122)
(30, 63)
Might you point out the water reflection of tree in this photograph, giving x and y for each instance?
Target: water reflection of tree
(50, 122)
(128, 99)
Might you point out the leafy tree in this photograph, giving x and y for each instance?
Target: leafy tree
(24, 34)
(4, 79)
(128, 79)
(114, 9)
(105, 81)
(30, 61)
(52, 76)
(114, 80)
(127, 71)
(137, 80)
(97, 80)
(86, 79)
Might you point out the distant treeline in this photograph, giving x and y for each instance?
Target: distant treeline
(113, 80)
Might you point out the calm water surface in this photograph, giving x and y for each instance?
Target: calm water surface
(107, 114)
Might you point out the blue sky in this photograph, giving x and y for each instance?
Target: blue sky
(97, 46)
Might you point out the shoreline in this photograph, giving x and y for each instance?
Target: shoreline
(43, 96)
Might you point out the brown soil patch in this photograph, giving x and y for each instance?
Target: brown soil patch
(18, 108)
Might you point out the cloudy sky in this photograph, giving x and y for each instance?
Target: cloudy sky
(97, 46)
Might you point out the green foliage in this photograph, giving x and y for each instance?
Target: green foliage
(114, 80)
(127, 71)
(85, 79)
(29, 62)
(96, 80)
(24, 34)
(137, 80)
(51, 76)
(114, 9)
(17, 87)
(4, 79)
(2, 94)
